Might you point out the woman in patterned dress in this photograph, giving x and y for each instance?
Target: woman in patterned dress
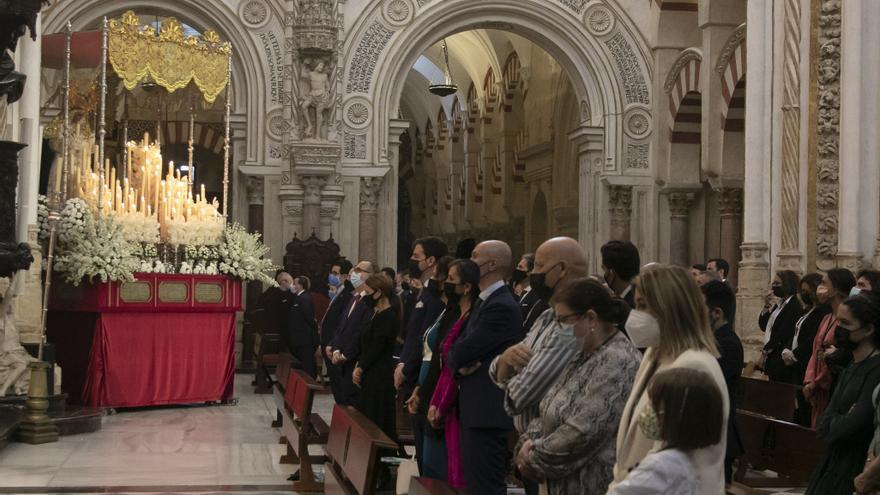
(570, 447)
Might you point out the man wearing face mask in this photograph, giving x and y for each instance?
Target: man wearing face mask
(620, 263)
(302, 329)
(345, 345)
(495, 323)
(531, 304)
(426, 254)
(335, 313)
(527, 370)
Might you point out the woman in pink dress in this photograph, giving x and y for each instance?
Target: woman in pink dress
(818, 381)
(464, 276)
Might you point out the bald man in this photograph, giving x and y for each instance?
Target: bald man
(525, 371)
(495, 324)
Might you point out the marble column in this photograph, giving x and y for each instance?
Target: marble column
(679, 227)
(29, 108)
(730, 203)
(312, 185)
(371, 187)
(859, 116)
(620, 208)
(256, 198)
(590, 142)
(754, 269)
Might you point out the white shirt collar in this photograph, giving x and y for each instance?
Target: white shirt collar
(300, 292)
(626, 291)
(485, 293)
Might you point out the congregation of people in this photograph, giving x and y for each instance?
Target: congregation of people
(571, 382)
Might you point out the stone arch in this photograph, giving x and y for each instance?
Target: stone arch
(731, 67)
(248, 67)
(608, 65)
(539, 220)
(683, 78)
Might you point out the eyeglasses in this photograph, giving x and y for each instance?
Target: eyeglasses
(562, 319)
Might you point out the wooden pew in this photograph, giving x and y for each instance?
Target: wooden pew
(282, 376)
(790, 450)
(302, 428)
(774, 399)
(353, 450)
(430, 486)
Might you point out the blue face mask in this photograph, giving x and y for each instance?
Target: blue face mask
(854, 291)
(567, 336)
(333, 280)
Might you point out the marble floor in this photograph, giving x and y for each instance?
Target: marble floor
(192, 449)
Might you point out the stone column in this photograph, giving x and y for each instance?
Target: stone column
(754, 269)
(620, 208)
(730, 202)
(679, 222)
(29, 108)
(312, 185)
(590, 142)
(256, 197)
(371, 187)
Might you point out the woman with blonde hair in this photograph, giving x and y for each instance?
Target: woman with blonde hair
(671, 317)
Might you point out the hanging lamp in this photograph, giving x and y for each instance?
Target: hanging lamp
(448, 87)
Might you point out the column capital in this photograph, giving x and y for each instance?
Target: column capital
(680, 203)
(312, 185)
(730, 201)
(620, 201)
(255, 189)
(369, 194)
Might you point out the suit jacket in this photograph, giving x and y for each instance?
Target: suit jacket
(335, 313)
(348, 333)
(270, 313)
(731, 362)
(493, 327)
(781, 336)
(537, 307)
(302, 329)
(423, 314)
(633, 445)
(805, 338)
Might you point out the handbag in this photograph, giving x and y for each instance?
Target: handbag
(407, 470)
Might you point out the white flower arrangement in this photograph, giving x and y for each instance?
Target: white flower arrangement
(186, 268)
(74, 217)
(195, 232)
(94, 247)
(42, 219)
(138, 228)
(242, 255)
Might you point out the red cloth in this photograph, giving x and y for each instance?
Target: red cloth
(150, 359)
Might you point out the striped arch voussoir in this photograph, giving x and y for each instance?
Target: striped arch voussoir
(683, 78)
(731, 68)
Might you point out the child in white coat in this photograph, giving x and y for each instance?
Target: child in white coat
(685, 415)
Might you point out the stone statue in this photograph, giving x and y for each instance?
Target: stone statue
(14, 359)
(317, 97)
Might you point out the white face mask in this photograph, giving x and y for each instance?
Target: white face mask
(355, 279)
(643, 329)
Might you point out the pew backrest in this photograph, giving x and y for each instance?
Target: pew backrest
(769, 398)
(354, 446)
(790, 450)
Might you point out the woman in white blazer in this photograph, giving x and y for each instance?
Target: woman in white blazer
(671, 317)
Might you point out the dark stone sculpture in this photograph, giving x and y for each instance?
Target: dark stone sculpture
(16, 16)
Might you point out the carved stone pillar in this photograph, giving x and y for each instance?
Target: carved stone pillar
(256, 198)
(679, 219)
(368, 226)
(312, 185)
(590, 142)
(620, 208)
(730, 206)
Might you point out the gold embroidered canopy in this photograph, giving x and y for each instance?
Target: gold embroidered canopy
(171, 59)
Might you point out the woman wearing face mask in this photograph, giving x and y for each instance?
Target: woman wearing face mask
(779, 322)
(846, 424)
(463, 280)
(375, 368)
(671, 313)
(818, 379)
(570, 446)
(797, 356)
(434, 445)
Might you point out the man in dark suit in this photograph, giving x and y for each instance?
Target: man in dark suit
(426, 254)
(494, 325)
(530, 302)
(621, 264)
(720, 300)
(302, 329)
(345, 345)
(335, 314)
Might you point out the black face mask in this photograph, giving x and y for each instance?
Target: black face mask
(449, 291)
(370, 301)
(807, 298)
(842, 341)
(539, 285)
(414, 270)
(777, 291)
(518, 276)
(405, 286)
